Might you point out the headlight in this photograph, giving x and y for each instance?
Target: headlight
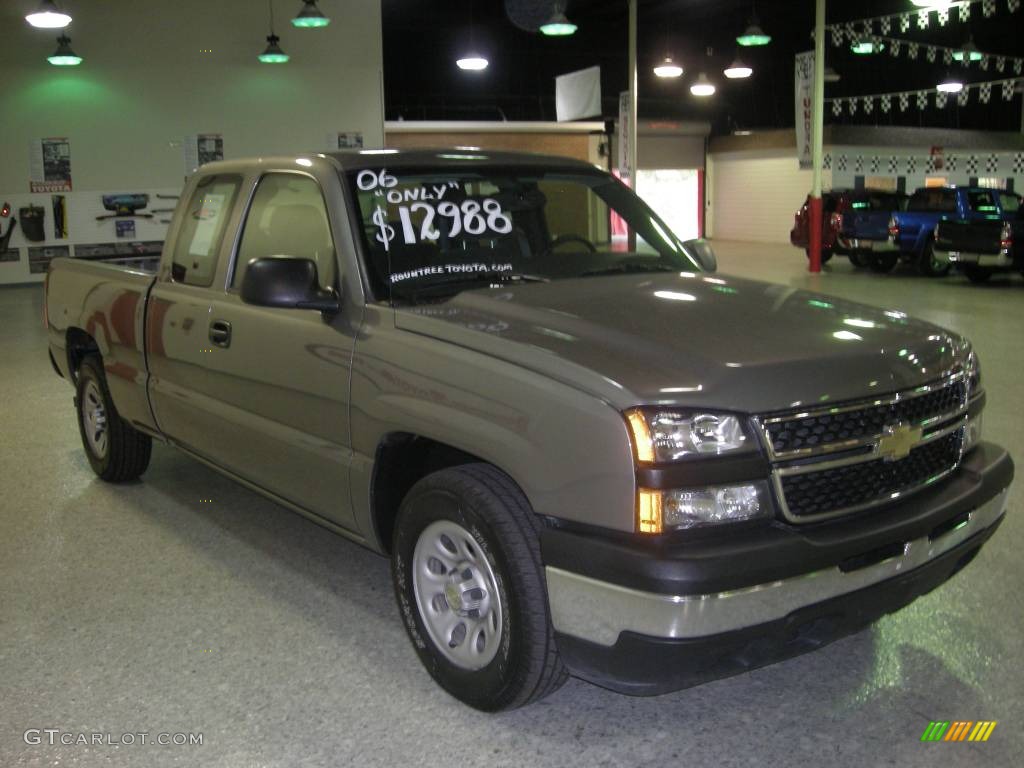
(665, 435)
(660, 511)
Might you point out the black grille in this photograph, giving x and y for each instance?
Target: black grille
(818, 493)
(815, 431)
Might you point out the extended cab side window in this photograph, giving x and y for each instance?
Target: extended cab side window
(982, 202)
(1009, 202)
(287, 217)
(194, 260)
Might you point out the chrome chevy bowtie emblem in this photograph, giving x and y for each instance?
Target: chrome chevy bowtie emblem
(898, 441)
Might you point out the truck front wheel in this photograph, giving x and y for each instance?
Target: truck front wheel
(116, 451)
(884, 262)
(470, 587)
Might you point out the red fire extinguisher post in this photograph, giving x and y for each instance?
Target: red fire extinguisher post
(814, 228)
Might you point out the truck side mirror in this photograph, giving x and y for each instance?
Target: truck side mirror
(288, 282)
(700, 251)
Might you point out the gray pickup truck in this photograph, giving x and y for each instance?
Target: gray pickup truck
(584, 452)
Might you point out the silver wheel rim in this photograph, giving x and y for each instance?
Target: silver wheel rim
(457, 595)
(94, 419)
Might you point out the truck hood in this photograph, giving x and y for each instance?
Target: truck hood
(698, 340)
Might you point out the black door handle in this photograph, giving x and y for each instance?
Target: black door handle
(220, 333)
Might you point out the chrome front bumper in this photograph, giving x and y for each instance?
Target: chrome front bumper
(599, 611)
(861, 244)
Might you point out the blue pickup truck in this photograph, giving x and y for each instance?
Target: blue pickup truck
(862, 224)
(913, 230)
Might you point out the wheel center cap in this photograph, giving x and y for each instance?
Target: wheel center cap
(453, 595)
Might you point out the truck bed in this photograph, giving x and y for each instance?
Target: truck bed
(981, 237)
(105, 299)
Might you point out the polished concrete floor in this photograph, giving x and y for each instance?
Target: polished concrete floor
(141, 608)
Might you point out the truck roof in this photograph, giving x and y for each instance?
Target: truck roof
(455, 157)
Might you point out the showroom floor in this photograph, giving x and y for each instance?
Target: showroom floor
(141, 608)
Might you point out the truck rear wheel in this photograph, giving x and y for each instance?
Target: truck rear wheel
(884, 262)
(116, 450)
(930, 266)
(826, 254)
(470, 588)
(859, 259)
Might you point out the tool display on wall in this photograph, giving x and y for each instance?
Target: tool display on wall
(60, 216)
(125, 205)
(32, 218)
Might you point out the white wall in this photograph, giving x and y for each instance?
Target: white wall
(916, 164)
(147, 81)
(753, 195)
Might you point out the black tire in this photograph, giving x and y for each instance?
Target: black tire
(124, 452)
(928, 265)
(826, 254)
(883, 262)
(488, 506)
(859, 259)
(977, 274)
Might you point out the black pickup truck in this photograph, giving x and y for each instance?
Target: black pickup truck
(982, 247)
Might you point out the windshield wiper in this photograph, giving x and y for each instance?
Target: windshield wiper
(466, 281)
(626, 267)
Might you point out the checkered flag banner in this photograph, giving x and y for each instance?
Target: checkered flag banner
(893, 165)
(1017, 65)
(984, 92)
(971, 166)
(904, 22)
(848, 29)
(965, 11)
(983, 63)
(929, 165)
(1000, 63)
(837, 107)
(1012, 5)
(852, 106)
(894, 47)
(992, 164)
(912, 50)
(1008, 90)
(922, 18)
(911, 164)
(858, 164)
(929, 54)
(922, 99)
(826, 161)
(962, 97)
(947, 56)
(904, 101)
(869, 105)
(837, 37)
(988, 7)
(884, 25)
(1018, 163)
(874, 164)
(885, 102)
(943, 16)
(842, 163)
(940, 99)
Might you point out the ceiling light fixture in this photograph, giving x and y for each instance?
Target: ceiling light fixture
(64, 56)
(310, 17)
(272, 54)
(866, 46)
(49, 16)
(831, 76)
(950, 85)
(668, 68)
(472, 62)
(558, 26)
(969, 51)
(737, 70)
(702, 86)
(753, 35)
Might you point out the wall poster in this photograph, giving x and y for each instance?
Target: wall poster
(50, 165)
(202, 148)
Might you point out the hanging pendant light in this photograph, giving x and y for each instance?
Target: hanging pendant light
(702, 86)
(49, 16)
(969, 52)
(64, 56)
(737, 70)
(558, 25)
(951, 84)
(668, 68)
(831, 76)
(753, 35)
(310, 17)
(272, 54)
(472, 62)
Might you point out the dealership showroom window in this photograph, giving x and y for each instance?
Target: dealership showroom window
(511, 382)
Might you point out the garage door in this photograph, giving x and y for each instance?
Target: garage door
(754, 195)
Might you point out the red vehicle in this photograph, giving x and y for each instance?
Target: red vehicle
(832, 203)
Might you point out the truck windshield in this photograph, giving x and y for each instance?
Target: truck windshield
(936, 199)
(430, 233)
